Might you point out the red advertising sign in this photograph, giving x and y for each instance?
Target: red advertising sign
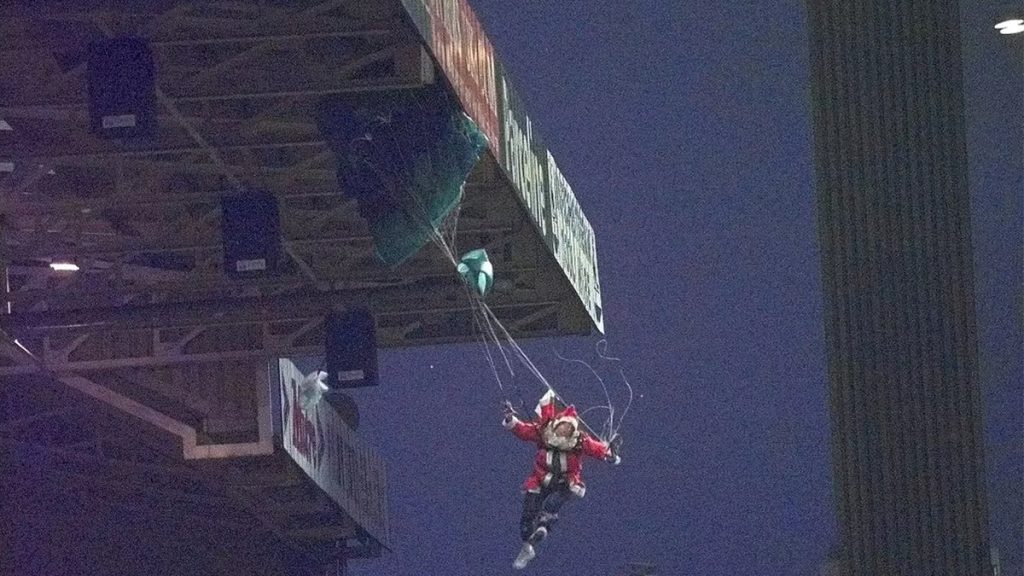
(329, 452)
(467, 58)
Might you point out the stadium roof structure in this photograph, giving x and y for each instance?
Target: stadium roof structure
(150, 325)
(237, 85)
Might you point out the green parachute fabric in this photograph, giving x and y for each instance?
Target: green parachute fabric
(404, 157)
(476, 269)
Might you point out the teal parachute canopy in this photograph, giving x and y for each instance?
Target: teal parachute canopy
(404, 157)
(476, 269)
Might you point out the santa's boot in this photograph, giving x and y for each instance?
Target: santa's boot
(526, 553)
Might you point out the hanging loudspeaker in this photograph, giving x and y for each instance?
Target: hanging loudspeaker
(121, 77)
(351, 349)
(250, 231)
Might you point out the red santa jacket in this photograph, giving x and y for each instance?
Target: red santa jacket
(552, 464)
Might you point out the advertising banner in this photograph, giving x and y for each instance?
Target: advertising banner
(466, 57)
(329, 452)
(549, 199)
(457, 41)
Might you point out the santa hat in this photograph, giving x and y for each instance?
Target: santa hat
(548, 409)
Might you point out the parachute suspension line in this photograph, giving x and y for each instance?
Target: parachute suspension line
(478, 309)
(489, 324)
(483, 339)
(483, 333)
(444, 236)
(609, 424)
(625, 381)
(446, 243)
(422, 213)
(604, 388)
(490, 360)
(602, 437)
(592, 408)
(484, 325)
(601, 348)
(408, 201)
(449, 224)
(525, 360)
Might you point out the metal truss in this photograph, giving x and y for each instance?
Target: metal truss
(143, 220)
(101, 455)
(150, 329)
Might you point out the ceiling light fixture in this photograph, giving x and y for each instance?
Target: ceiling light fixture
(63, 266)
(1010, 26)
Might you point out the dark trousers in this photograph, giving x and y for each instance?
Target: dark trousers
(541, 509)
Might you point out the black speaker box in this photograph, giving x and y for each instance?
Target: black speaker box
(351, 349)
(122, 99)
(250, 229)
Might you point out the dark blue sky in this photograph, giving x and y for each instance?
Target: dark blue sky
(684, 130)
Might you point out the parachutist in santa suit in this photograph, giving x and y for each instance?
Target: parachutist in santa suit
(557, 468)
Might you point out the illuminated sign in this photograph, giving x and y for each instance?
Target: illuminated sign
(550, 201)
(467, 59)
(466, 56)
(330, 453)
(572, 240)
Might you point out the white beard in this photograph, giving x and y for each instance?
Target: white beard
(552, 440)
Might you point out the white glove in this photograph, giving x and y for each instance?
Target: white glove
(509, 420)
(613, 450)
(578, 490)
(311, 390)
